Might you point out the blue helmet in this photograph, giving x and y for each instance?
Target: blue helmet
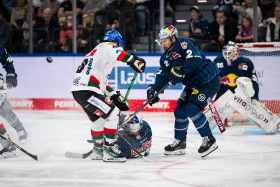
(113, 36)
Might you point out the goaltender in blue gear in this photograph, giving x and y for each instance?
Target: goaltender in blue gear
(182, 62)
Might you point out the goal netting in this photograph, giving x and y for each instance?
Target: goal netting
(266, 59)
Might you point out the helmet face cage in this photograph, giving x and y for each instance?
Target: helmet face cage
(230, 52)
(135, 124)
(114, 36)
(167, 32)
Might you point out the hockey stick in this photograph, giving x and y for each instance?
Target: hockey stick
(77, 155)
(130, 86)
(35, 157)
(217, 118)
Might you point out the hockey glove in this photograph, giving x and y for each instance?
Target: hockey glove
(11, 80)
(136, 63)
(151, 92)
(177, 75)
(118, 100)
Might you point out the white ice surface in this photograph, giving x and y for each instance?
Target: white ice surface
(250, 159)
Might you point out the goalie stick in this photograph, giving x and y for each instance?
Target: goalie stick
(35, 157)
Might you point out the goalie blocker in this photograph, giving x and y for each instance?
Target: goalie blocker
(250, 108)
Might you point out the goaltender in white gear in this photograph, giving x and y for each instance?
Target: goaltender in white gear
(250, 108)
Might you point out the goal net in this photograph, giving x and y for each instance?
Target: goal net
(266, 60)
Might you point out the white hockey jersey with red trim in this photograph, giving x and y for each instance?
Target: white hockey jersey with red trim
(95, 70)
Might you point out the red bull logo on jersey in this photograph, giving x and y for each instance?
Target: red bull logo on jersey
(230, 80)
(144, 146)
(184, 45)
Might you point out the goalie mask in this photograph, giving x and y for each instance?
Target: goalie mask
(230, 52)
(134, 125)
(114, 36)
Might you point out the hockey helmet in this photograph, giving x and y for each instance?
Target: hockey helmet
(167, 32)
(114, 36)
(135, 124)
(230, 52)
(2, 81)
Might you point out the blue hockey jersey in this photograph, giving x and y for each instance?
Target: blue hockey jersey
(197, 69)
(142, 145)
(242, 67)
(6, 60)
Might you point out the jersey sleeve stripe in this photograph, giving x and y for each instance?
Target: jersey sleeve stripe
(123, 57)
(109, 89)
(93, 82)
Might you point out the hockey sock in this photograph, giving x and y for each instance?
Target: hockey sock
(97, 130)
(3, 132)
(201, 123)
(110, 127)
(11, 118)
(181, 123)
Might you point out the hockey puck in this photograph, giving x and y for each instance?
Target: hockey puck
(49, 59)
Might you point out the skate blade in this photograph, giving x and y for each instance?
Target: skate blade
(114, 159)
(177, 152)
(210, 150)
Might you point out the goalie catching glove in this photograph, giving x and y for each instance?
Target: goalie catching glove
(120, 102)
(136, 63)
(244, 87)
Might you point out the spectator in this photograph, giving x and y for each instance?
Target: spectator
(266, 7)
(249, 11)
(246, 31)
(127, 16)
(46, 32)
(220, 32)
(9, 4)
(5, 32)
(93, 6)
(141, 6)
(87, 34)
(65, 9)
(66, 35)
(6, 14)
(228, 6)
(18, 13)
(25, 30)
(273, 24)
(197, 24)
(53, 5)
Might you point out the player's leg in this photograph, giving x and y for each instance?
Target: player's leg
(197, 102)
(104, 117)
(8, 150)
(181, 125)
(7, 113)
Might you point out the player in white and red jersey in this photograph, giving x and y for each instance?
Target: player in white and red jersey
(98, 99)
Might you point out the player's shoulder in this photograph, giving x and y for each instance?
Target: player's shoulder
(219, 59)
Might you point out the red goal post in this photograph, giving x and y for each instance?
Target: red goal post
(266, 59)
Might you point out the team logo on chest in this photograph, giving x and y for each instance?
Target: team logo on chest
(176, 55)
(243, 67)
(184, 45)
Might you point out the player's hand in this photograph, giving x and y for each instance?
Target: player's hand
(119, 101)
(136, 63)
(11, 80)
(176, 75)
(151, 92)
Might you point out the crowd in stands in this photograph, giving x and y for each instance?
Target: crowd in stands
(53, 31)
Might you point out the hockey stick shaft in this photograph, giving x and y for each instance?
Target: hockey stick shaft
(146, 103)
(217, 118)
(35, 157)
(130, 86)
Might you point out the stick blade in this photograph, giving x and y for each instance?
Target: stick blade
(44, 155)
(235, 132)
(69, 154)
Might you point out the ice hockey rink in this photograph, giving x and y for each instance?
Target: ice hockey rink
(249, 159)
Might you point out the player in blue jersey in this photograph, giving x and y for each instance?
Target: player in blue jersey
(182, 62)
(138, 133)
(232, 67)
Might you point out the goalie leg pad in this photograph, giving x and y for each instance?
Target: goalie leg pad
(256, 113)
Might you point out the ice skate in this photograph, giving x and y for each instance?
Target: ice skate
(97, 151)
(111, 153)
(8, 151)
(22, 136)
(176, 148)
(208, 145)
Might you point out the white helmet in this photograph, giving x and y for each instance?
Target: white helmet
(167, 32)
(2, 81)
(135, 124)
(230, 52)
